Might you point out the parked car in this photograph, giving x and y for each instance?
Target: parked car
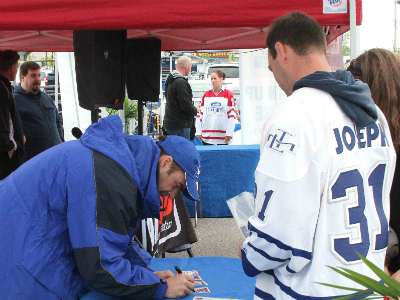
(199, 87)
(49, 85)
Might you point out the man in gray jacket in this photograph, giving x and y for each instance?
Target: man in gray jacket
(42, 126)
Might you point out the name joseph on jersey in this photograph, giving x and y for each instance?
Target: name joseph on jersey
(364, 137)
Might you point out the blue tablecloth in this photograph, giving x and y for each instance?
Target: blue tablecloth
(226, 171)
(224, 276)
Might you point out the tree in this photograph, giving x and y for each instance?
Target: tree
(346, 44)
(233, 56)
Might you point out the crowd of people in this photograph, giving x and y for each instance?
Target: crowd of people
(325, 185)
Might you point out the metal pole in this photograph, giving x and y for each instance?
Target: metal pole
(140, 117)
(170, 62)
(56, 86)
(354, 31)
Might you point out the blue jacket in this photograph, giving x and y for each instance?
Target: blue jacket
(68, 217)
(42, 125)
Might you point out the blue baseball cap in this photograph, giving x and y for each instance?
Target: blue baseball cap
(187, 157)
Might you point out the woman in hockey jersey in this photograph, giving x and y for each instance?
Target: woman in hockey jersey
(215, 123)
(380, 69)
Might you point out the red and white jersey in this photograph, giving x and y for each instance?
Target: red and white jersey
(217, 116)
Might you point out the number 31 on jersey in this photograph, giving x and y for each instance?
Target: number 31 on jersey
(343, 245)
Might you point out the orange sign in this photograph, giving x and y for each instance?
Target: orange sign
(166, 208)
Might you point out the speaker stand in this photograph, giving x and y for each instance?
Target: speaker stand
(140, 116)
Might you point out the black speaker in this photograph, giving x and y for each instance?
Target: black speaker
(100, 65)
(143, 69)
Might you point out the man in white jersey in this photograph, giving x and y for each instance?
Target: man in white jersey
(324, 175)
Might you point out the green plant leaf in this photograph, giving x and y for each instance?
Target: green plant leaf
(372, 284)
(346, 288)
(358, 297)
(365, 281)
(389, 281)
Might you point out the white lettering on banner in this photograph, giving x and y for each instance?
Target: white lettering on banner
(254, 92)
(152, 227)
(178, 226)
(262, 113)
(259, 63)
(259, 93)
(165, 226)
(335, 6)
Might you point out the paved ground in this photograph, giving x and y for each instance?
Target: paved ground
(216, 237)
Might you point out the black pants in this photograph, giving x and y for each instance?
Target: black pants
(9, 165)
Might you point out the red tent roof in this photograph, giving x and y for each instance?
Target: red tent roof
(45, 25)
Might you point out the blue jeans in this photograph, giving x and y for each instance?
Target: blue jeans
(184, 132)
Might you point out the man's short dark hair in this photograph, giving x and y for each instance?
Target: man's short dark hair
(298, 31)
(26, 66)
(7, 59)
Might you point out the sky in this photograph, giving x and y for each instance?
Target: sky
(377, 29)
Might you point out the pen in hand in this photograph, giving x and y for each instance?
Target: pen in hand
(179, 271)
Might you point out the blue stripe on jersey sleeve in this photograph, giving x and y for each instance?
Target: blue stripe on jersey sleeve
(266, 255)
(279, 244)
(290, 270)
(287, 290)
(248, 268)
(263, 295)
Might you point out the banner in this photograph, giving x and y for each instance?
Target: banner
(174, 228)
(259, 93)
(335, 6)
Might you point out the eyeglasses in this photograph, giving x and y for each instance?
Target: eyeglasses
(355, 68)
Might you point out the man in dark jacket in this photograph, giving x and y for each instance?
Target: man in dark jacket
(11, 134)
(42, 126)
(71, 214)
(179, 110)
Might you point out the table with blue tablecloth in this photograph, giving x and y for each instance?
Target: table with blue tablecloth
(226, 171)
(224, 276)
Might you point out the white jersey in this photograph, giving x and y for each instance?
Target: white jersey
(322, 193)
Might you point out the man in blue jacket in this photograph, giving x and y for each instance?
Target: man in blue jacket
(69, 215)
(42, 125)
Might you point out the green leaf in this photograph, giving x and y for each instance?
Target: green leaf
(358, 297)
(365, 281)
(346, 288)
(391, 283)
(370, 283)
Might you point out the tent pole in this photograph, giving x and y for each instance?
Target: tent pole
(56, 87)
(354, 32)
